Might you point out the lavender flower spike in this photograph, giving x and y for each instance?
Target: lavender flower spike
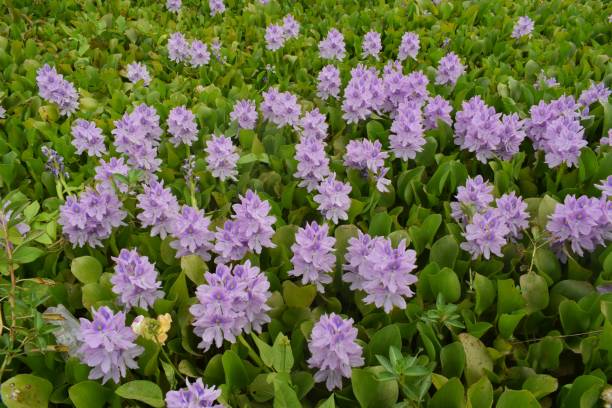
(245, 114)
(523, 27)
(135, 280)
(313, 257)
(138, 72)
(222, 157)
(54, 88)
(450, 69)
(372, 45)
(87, 137)
(182, 126)
(195, 395)
(191, 233)
(333, 199)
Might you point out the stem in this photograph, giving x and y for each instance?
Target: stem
(252, 353)
(171, 363)
(11, 268)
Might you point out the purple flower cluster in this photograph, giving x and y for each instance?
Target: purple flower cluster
(249, 229)
(221, 157)
(107, 345)
(137, 135)
(105, 172)
(596, 92)
(54, 88)
(275, 37)
(328, 82)
(159, 208)
(366, 156)
(313, 163)
(409, 47)
(232, 301)
(437, 108)
(407, 132)
(313, 257)
(555, 128)
(485, 234)
(55, 162)
(91, 217)
(135, 280)
(605, 187)
(180, 50)
(606, 140)
(381, 271)
(313, 124)
(334, 350)
(87, 137)
(191, 233)
(333, 198)
(216, 7)
(474, 197)
(138, 72)
(245, 114)
(2, 112)
(400, 88)
(363, 95)
(450, 69)
(372, 45)
(195, 395)
(173, 6)
(280, 108)
(523, 27)
(583, 223)
(332, 46)
(182, 126)
(198, 51)
(291, 27)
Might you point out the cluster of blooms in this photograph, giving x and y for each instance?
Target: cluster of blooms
(523, 27)
(372, 45)
(409, 47)
(313, 163)
(606, 140)
(216, 7)
(55, 162)
(221, 157)
(276, 35)
(135, 280)
(138, 72)
(232, 301)
(190, 231)
(195, 395)
(407, 132)
(363, 95)
(381, 271)
(332, 46)
(450, 69)
(333, 198)
(480, 129)
(313, 124)
(91, 217)
(245, 114)
(249, 229)
(159, 208)
(399, 88)
(488, 228)
(437, 108)
(179, 50)
(368, 156)
(544, 80)
(182, 126)
(555, 128)
(596, 92)
(137, 135)
(583, 223)
(280, 108)
(605, 187)
(54, 88)
(313, 257)
(334, 350)
(87, 137)
(328, 82)
(173, 6)
(105, 171)
(107, 345)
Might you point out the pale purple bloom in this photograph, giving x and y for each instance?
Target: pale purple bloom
(543, 80)
(182, 126)
(356, 257)
(328, 82)
(313, 163)
(138, 72)
(105, 171)
(173, 5)
(291, 28)
(485, 234)
(605, 187)
(407, 132)
(216, 7)
(55, 162)
(437, 108)
(313, 257)
(606, 140)
(523, 27)
(511, 135)
(2, 112)
(275, 37)
(513, 211)
(365, 155)
(87, 137)
(107, 345)
(232, 301)
(191, 232)
(400, 88)
(381, 181)
(363, 95)
(372, 45)
(135, 280)
(198, 54)
(313, 124)
(221, 157)
(159, 208)
(137, 135)
(333, 198)
(334, 351)
(478, 128)
(245, 114)
(280, 108)
(332, 46)
(195, 395)
(450, 69)
(215, 48)
(409, 47)
(54, 88)
(596, 92)
(91, 217)
(178, 48)
(474, 197)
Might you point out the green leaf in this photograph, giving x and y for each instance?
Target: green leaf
(27, 254)
(547, 263)
(370, 392)
(194, 267)
(540, 385)
(480, 394)
(485, 293)
(380, 224)
(382, 340)
(86, 269)
(451, 395)
(573, 318)
(89, 394)
(509, 298)
(444, 251)
(284, 395)
(547, 207)
(282, 355)
(236, 376)
(452, 357)
(26, 391)
(535, 291)
(94, 293)
(514, 399)
(261, 389)
(265, 351)
(583, 393)
(476, 357)
(508, 321)
(329, 403)
(446, 282)
(143, 391)
(298, 296)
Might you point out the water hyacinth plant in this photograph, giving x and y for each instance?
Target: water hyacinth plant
(267, 203)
